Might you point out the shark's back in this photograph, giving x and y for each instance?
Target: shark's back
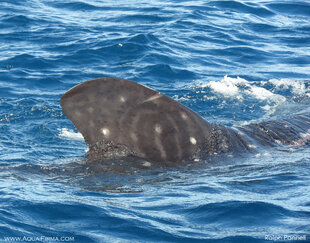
(118, 113)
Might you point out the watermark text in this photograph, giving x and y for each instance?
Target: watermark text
(286, 237)
(41, 238)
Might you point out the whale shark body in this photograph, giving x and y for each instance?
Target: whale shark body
(120, 118)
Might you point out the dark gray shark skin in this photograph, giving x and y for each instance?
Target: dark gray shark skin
(119, 118)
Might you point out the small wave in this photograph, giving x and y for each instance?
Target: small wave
(67, 133)
(252, 8)
(262, 90)
(165, 71)
(18, 20)
(143, 39)
(290, 8)
(296, 87)
(243, 54)
(147, 18)
(76, 6)
(239, 88)
(252, 100)
(27, 61)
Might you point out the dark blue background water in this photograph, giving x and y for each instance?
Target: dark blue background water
(193, 51)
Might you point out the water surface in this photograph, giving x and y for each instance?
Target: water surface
(233, 62)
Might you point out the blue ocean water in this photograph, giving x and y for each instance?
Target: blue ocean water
(233, 62)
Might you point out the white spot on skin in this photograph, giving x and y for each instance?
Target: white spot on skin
(152, 98)
(193, 140)
(147, 164)
(105, 131)
(122, 99)
(158, 128)
(184, 116)
(134, 137)
(77, 113)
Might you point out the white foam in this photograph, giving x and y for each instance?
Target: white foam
(297, 87)
(264, 94)
(227, 86)
(267, 93)
(239, 87)
(64, 132)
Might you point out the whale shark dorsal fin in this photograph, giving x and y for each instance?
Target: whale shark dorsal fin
(124, 112)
